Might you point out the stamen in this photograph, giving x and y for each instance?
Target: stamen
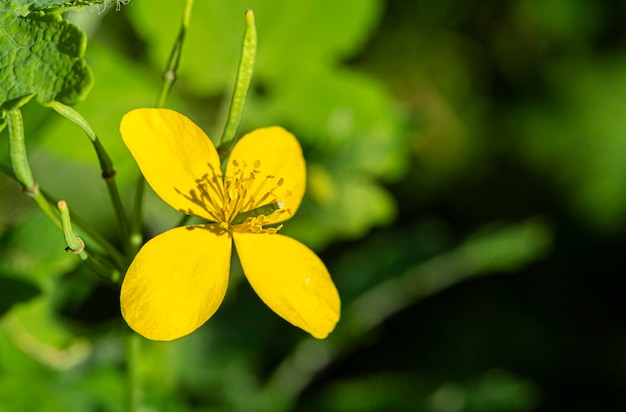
(259, 213)
(205, 194)
(249, 201)
(252, 203)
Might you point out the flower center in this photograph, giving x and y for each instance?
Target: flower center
(246, 201)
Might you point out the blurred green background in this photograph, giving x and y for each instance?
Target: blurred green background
(466, 189)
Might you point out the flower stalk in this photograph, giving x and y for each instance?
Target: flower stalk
(169, 75)
(133, 349)
(106, 166)
(23, 174)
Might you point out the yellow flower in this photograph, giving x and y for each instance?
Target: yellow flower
(178, 279)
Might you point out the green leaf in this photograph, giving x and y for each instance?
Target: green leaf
(25, 7)
(41, 55)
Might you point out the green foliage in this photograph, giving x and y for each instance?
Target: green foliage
(581, 126)
(41, 55)
(25, 7)
(495, 391)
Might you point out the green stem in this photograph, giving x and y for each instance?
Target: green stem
(106, 166)
(21, 167)
(169, 75)
(242, 84)
(77, 246)
(44, 205)
(169, 78)
(136, 237)
(133, 347)
(22, 173)
(111, 251)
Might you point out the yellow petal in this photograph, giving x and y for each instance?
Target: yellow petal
(291, 280)
(176, 282)
(173, 153)
(280, 155)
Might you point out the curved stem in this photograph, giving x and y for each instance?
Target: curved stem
(22, 173)
(111, 251)
(106, 166)
(77, 246)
